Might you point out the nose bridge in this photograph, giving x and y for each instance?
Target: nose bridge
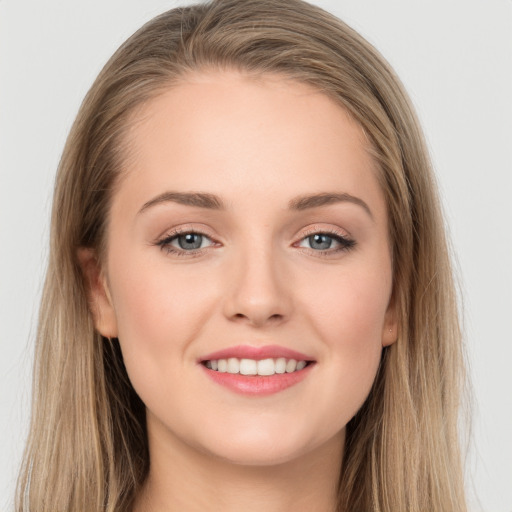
(258, 291)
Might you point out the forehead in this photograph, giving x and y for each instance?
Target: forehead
(231, 134)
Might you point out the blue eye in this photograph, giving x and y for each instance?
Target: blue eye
(182, 243)
(327, 242)
(320, 241)
(190, 241)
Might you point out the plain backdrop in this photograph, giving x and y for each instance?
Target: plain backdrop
(455, 58)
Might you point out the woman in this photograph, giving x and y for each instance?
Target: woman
(249, 301)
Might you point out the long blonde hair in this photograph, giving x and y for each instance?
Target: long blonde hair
(87, 449)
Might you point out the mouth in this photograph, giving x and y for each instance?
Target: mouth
(257, 370)
(262, 367)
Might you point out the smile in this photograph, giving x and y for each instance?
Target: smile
(263, 367)
(257, 371)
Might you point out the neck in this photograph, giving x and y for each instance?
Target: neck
(183, 478)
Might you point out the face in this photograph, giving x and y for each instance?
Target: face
(248, 231)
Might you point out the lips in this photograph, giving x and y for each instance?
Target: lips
(257, 353)
(257, 370)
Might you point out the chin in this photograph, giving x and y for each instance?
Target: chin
(260, 456)
(264, 446)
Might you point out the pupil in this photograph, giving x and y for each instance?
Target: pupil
(190, 241)
(321, 242)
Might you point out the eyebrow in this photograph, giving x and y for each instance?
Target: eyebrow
(322, 199)
(213, 202)
(198, 199)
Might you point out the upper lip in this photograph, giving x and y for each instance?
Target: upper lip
(257, 353)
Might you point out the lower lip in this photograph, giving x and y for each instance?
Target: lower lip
(257, 385)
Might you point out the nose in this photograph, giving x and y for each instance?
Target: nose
(259, 291)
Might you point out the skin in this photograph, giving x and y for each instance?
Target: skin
(258, 279)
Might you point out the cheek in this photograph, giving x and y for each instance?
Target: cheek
(349, 316)
(160, 311)
(350, 308)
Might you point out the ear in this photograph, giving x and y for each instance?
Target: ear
(390, 326)
(98, 293)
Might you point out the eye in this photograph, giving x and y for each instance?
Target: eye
(327, 243)
(189, 243)
(181, 243)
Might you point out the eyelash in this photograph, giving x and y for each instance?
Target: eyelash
(346, 243)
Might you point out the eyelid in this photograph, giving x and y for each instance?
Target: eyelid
(318, 228)
(183, 229)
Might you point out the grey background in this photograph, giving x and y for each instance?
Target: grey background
(455, 58)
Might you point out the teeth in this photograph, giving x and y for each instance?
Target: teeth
(266, 367)
(248, 367)
(281, 365)
(300, 365)
(233, 365)
(254, 367)
(291, 365)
